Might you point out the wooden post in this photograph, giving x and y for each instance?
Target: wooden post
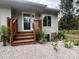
(11, 31)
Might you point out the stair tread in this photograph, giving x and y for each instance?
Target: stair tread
(24, 37)
(21, 41)
(20, 37)
(25, 32)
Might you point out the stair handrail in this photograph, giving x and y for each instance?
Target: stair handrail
(12, 24)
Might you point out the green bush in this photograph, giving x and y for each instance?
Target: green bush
(55, 37)
(76, 42)
(67, 43)
(4, 35)
(41, 37)
(61, 35)
(58, 36)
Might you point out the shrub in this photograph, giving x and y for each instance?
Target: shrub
(4, 35)
(58, 36)
(61, 35)
(41, 37)
(55, 37)
(76, 42)
(67, 43)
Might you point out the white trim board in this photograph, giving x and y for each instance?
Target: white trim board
(31, 21)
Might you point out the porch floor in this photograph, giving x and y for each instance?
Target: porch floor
(38, 51)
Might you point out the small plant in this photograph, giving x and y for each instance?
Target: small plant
(41, 37)
(58, 36)
(55, 46)
(55, 37)
(61, 35)
(4, 35)
(76, 42)
(67, 43)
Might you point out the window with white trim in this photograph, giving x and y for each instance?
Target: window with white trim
(47, 21)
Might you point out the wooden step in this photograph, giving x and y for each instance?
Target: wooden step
(24, 37)
(23, 42)
(24, 34)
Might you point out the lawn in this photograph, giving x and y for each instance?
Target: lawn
(72, 34)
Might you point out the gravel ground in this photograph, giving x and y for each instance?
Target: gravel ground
(38, 51)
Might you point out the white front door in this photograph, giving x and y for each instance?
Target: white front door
(27, 23)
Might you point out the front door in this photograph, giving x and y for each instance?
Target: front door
(27, 23)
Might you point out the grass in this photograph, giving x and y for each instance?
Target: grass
(75, 32)
(73, 35)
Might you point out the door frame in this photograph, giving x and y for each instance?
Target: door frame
(31, 21)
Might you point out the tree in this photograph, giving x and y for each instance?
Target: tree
(73, 25)
(67, 21)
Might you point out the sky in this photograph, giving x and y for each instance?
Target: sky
(50, 3)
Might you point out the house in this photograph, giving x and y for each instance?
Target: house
(24, 18)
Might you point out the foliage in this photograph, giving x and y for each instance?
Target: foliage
(55, 37)
(41, 37)
(67, 21)
(4, 35)
(76, 42)
(58, 36)
(72, 25)
(67, 43)
(61, 35)
(72, 32)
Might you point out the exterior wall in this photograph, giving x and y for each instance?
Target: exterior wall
(20, 22)
(54, 25)
(4, 13)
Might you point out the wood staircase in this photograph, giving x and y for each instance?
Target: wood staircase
(19, 38)
(24, 38)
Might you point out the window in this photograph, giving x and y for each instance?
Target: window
(47, 36)
(47, 21)
(28, 15)
(26, 23)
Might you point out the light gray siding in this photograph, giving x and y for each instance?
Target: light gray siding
(4, 13)
(53, 27)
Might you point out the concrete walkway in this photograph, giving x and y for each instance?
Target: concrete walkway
(38, 51)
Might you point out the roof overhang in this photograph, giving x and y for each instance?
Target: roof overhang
(27, 6)
(23, 5)
(51, 11)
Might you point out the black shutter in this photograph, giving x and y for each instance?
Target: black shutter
(45, 21)
(49, 20)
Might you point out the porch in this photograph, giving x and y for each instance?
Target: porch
(28, 36)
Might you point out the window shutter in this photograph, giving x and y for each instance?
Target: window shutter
(49, 20)
(45, 21)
